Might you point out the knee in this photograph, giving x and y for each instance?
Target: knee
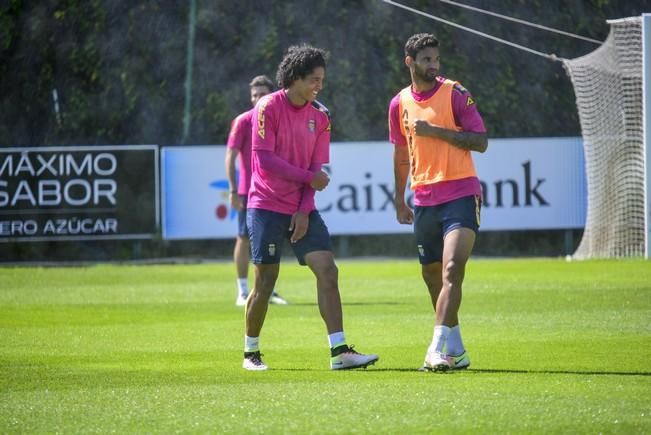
(453, 272)
(329, 274)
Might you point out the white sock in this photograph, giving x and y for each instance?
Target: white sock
(242, 286)
(336, 339)
(251, 344)
(454, 345)
(439, 339)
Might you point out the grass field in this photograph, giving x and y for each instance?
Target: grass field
(556, 347)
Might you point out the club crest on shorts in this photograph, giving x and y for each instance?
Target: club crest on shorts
(421, 250)
(311, 125)
(271, 249)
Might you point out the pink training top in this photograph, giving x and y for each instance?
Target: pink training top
(239, 138)
(300, 137)
(467, 117)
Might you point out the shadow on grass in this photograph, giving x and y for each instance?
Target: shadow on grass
(346, 304)
(520, 372)
(475, 371)
(70, 373)
(562, 372)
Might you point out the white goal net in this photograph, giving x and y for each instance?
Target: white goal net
(608, 88)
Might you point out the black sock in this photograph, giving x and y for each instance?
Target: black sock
(338, 350)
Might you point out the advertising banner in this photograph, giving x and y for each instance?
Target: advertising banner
(79, 193)
(194, 192)
(531, 183)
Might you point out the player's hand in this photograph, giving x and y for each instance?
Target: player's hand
(423, 128)
(404, 214)
(236, 201)
(298, 226)
(320, 181)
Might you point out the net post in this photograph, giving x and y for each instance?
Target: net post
(646, 127)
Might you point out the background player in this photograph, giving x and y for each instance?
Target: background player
(239, 145)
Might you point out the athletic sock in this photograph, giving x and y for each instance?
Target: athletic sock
(439, 339)
(454, 345)
(251, 344)
(337, 340)
(242, 286)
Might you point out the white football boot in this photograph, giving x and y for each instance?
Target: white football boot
(437, 362)
(253, 361)
(241, 300)
(349, 358)
(277, 299)
(459, 362)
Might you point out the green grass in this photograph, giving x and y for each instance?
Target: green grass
(556, 347)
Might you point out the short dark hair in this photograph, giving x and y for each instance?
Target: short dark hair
(299, 61)
(418, 42)
(262, 81)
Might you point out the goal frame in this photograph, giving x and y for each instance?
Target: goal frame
(646, 127)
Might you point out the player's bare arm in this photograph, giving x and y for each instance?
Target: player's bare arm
(404, 214)
(236, 201)
(462, 139)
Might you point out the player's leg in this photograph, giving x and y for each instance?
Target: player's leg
(326, 272)
(457, 247)
(241, 255)
(258, 301)
(315, 251)
(256, 312)
(429, 240)
(266, 231)
(456, 252)
(241, 260)
(431, 274)
(322, 264)
(460, 222)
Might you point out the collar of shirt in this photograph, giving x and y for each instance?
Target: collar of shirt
(422, 96)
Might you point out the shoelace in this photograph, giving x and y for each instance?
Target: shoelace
(351, 349)
(256, 359)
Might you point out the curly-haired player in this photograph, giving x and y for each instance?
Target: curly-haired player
(291, 141)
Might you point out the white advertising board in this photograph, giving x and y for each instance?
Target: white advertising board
(195, 193)
(532, 183)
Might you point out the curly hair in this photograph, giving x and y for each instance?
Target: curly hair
(299, 61)
(262, 81)
(418, 42)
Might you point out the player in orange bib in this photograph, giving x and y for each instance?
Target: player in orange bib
(434, 125)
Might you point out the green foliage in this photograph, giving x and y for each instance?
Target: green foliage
(556, 347)
(119, 67)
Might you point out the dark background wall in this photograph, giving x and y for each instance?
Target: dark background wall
(119, 66)
(119, 69)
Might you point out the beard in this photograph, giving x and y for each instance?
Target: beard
(422, 74)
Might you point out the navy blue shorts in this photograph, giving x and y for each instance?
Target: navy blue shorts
(242, 228)
(268, 229)
(432, 223)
